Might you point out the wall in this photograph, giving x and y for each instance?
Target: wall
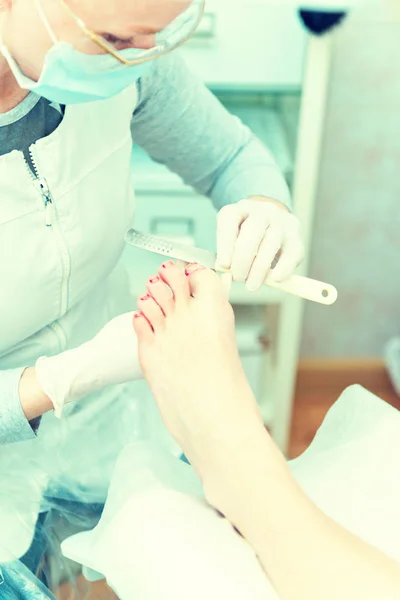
(357, 229)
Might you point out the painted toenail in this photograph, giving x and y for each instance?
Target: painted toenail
(146, 297)
(192, 268)
(154, 279)
(137, 315)
(167, 264)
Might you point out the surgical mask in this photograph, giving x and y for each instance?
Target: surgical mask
(72, 77)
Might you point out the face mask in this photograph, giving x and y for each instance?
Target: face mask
(72, 77)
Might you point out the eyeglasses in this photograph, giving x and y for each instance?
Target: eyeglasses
(172, 36)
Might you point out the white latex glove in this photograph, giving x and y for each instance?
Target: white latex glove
(250, 235)
(111, 357)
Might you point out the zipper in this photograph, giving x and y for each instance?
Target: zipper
(51, 220)
(42, 187)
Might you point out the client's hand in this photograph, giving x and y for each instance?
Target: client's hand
(109, 358)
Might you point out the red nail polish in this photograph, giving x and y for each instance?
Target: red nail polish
(146, 297)
(136, 315)
(154, 279)
(194, 267)
(190, 266)
(169, 263)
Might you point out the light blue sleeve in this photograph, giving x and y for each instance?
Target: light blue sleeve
(181, 124)
(14, 426)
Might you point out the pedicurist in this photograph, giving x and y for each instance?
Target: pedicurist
(72, 77)
(78, 80)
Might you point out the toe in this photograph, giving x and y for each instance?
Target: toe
(142, 327)
(204, 283)
(161, 293)
(171, 274)
(153, 313)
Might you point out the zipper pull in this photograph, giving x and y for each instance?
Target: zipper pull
(48, 211)
(43, 189)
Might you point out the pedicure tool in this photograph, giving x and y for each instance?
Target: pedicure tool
(303, 287)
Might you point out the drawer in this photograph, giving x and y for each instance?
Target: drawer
(186, 216)
(248, 43)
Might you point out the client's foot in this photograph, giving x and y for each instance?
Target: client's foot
(189, 356)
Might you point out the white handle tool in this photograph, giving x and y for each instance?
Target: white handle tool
(309, 289)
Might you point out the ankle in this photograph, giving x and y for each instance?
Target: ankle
(240, 466)
(233, 445)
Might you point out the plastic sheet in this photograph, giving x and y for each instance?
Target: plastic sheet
(57, 484)
(18, 583)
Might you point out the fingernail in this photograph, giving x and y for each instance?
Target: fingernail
(154, 279)
(146, 297)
